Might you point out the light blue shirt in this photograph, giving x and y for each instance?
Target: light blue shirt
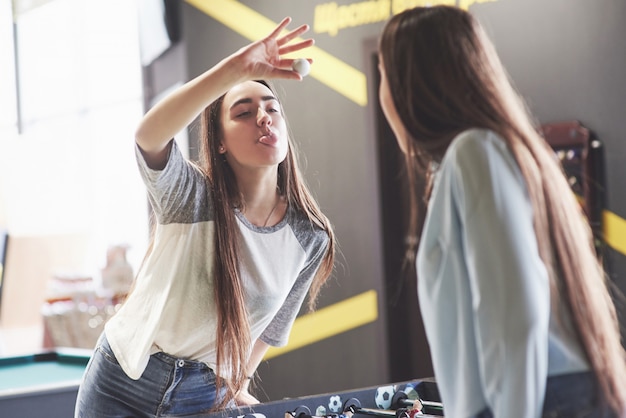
(483, 289)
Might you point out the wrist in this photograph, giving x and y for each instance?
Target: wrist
(236, 68)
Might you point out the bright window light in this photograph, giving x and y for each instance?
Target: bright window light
(71, 167)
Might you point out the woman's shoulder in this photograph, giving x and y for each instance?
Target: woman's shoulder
(475, 147)
(305, 228)
(479, 160)
(476, 139)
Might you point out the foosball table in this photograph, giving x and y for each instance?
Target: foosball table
(418, 398)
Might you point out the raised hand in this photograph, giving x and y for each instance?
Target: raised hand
(262, 59)
(259, 60)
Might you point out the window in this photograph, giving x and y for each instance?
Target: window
(68, 168)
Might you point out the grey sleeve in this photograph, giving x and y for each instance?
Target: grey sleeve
(179, 192)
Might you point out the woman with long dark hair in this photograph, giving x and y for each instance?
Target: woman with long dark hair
(515, 303)
(239, 242)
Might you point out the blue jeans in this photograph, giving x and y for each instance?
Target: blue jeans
(572, 395)
(169, 387)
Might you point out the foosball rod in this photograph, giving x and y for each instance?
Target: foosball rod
(350, 413)
(400, 413)
(400, 399)
(353, 406)
(303, 411)
(429, 404)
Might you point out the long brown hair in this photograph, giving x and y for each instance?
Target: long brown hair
(233, 336)
(445, 77)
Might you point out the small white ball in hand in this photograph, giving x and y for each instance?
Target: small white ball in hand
(301, 66)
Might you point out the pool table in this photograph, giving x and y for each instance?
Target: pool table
(41, 385)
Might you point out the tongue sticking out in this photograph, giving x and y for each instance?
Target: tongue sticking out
(269, 139)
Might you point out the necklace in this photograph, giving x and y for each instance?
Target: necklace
(271, 212)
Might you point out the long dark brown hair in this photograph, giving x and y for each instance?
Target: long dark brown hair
(233, 336)
(445, 77)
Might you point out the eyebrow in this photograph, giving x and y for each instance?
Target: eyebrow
(249, 100)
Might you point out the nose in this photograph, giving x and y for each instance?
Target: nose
(263, 118)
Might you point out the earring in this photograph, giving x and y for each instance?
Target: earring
(222, 148)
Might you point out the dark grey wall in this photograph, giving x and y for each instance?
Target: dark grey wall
(567, 57)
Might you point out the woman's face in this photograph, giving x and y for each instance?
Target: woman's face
(389, 109)
(254, 130)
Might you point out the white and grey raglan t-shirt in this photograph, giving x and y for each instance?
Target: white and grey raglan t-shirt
(172, 309)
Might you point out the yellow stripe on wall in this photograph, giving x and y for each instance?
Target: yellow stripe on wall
(252, 25)
(329, 321)
(614, 229)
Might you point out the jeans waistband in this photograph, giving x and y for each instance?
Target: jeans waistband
(164, 357)
(180, 362)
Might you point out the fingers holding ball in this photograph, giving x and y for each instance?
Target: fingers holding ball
(301, 66)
